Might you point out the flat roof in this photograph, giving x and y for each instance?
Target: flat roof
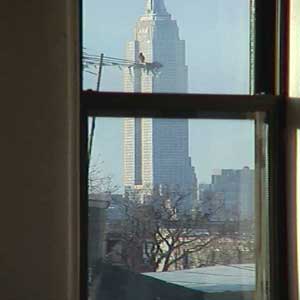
(215, 279)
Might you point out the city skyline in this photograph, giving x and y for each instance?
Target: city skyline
(162, 218)
(216, 154)
(208, 138)
(229, 196)
(216, 33)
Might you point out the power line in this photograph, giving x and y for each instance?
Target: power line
(97, 61)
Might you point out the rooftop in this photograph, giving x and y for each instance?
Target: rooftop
(216, 279)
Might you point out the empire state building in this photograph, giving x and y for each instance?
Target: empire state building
(156, 36)
(156, 151)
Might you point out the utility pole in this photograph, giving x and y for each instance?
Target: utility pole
(100, 62)
(94, 118)
(100, 72)
(93, 280)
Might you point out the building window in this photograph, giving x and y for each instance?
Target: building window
(182, 189)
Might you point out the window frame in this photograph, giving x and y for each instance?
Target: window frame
(270, 87)
(200, 106)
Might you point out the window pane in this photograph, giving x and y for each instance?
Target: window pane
(167, 46)
(173, 209)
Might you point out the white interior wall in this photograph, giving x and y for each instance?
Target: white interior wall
(294, 72)
(294, 105)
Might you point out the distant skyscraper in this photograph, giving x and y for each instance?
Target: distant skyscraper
(156, 35)
(230, 196)
(156, 151)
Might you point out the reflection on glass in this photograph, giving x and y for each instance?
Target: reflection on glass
(159, 46)
(172, 209)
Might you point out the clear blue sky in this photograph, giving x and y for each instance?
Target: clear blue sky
(216, 34)
(217, 40)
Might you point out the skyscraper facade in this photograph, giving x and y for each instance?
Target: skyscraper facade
(156, 36)
(156, 151)
(230, 196)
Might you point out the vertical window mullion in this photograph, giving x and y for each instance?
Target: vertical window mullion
(265, 36)
(262, 208)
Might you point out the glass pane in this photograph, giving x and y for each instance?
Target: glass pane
(174, 209)
(169, 46)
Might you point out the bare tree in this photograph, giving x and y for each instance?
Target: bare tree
(158, 234)
(98, 182)
(99, 185)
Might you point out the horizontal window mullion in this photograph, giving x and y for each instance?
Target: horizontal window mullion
(177, 106)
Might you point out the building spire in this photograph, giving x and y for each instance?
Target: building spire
(156, 7)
